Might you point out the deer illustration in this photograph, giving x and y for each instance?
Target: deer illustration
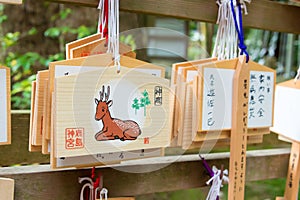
(113, 128)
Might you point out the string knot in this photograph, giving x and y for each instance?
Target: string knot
(239, 29)
(243, 47)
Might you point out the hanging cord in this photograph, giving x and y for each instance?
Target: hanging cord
(89, 185)
(113, 32)
(103, 19)
(239, 29)
(103, 192)
(226, 39)
(297, 75)
(216, 180)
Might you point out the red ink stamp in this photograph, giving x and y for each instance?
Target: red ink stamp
(74, 138)
(146, 140)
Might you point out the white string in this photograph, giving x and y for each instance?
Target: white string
(214, 191)
(101, 19)
(104, 192)
(100, 15)
(297, 75)
(244, 6)
(226, 43)
(90, 185)
(113, 32)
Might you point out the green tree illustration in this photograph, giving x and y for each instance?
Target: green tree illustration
(135, 105)
(145, 101)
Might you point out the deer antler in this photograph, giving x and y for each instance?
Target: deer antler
(107, 94)
(101, 93)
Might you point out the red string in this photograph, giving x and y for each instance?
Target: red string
(96, 181)
(105, 28)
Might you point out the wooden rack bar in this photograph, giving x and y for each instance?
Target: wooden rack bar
(263, 14)
(186, 172)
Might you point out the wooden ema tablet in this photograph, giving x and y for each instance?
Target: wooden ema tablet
(201, 135)
(80, 64)
(98, 47)
(178, 78)
(77, 120)
(45, 140)
(100, 158)
(217, 138)
(5, 116)
(215, 101)
(38, 118)
(32, 148)
(238, 139)
(293, 175)
(212, 138)
(286, 111)
(186, 80)
(95, 61)
(286, 125)
(7, 188)
(11, 1)
(80, 42)
(188, 115)
(187, 120)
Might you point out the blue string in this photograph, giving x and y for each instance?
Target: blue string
(240, 31)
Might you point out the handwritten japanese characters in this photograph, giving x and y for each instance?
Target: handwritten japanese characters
(217, 99)
(260, 99)
(239, 130)
(294, 157)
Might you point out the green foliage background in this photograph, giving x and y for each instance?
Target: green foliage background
(21, 64)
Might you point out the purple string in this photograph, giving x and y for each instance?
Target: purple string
(208, 169)
(240, 31)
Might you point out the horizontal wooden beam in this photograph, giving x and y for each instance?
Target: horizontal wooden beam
(157, 175)
(17, 152)
(263, 14)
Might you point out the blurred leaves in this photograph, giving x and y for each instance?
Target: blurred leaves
(129, 40)
(21, 65)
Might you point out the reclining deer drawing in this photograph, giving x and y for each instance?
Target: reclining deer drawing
(113, 128)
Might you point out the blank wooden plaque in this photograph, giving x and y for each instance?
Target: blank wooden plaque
(286, 111)
(82, 41)
(5, 116)
(7, 188)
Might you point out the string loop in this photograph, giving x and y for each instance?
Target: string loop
(239, 29)
(216, 181)
(103, 19)
(113, 32)
(104, 193)
(226, 40)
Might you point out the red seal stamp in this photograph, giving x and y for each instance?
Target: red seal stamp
(74, 138)
(146, 140)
